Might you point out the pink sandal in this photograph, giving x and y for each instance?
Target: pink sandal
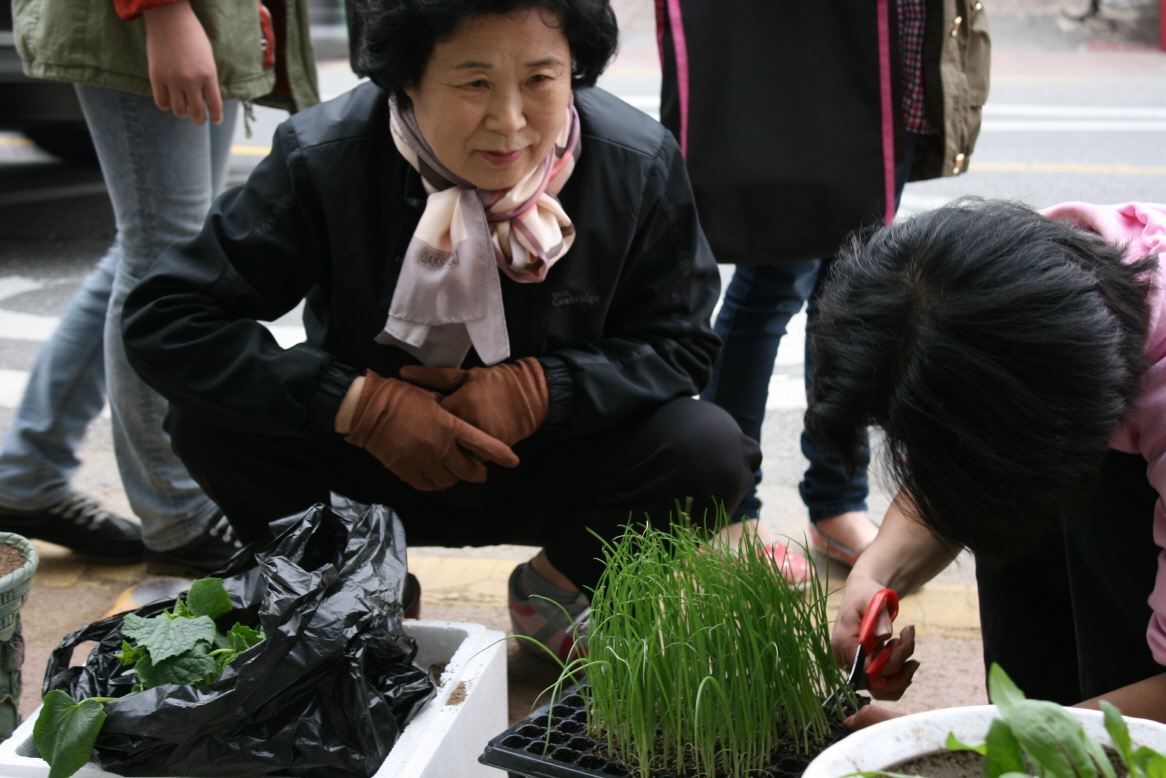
(792, 565)
(832, 548)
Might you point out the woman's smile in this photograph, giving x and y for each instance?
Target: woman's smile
(499, 159)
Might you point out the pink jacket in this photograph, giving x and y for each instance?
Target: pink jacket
(1143, 227)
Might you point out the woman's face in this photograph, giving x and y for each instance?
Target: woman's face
(494, 97)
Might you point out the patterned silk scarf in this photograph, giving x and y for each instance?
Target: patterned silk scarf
(449, 294)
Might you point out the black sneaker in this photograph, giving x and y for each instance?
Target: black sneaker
(206, 554)
(80, 524)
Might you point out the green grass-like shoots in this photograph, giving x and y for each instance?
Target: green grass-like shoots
(702, 659)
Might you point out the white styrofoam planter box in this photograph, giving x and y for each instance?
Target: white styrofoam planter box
(882, 745)
(442, 740)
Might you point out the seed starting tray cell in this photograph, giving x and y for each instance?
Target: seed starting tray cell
(525, 751)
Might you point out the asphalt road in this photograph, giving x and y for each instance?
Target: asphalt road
(1076, 113)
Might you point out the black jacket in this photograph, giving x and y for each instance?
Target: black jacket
(620, 324)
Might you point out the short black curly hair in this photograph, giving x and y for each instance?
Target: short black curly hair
(997, 349)
(396, 37)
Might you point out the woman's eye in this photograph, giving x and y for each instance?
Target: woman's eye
(478, 84)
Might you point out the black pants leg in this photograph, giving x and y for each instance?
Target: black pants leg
(1068, 622)
(562, 490)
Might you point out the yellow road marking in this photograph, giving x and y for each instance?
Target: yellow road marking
(251, 151)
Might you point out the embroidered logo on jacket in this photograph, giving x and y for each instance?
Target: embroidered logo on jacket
(565, 297)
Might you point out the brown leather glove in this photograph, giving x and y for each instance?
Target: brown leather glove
(425, 445)
(508, 401)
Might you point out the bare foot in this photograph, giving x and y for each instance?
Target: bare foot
(730, 536)
(854, 529)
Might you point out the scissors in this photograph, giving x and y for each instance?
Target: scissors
(871, 677)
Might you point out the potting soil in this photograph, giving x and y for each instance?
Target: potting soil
(568, 751)
(969, 764)
(10, 560)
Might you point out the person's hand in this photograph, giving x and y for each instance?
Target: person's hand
(870, 714)
(425, 445)
(844, 640)
(181, 63)
(508, 401)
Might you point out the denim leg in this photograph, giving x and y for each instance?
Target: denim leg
(826, 489)
(758, 304)
(162, 173)
(65, 391)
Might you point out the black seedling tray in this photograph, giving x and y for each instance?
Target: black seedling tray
(524, 751)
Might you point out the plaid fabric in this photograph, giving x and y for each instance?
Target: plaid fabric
(912, 20)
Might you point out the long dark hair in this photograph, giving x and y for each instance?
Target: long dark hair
(999, 351)
(397, 36)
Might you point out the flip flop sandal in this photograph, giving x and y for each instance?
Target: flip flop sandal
(832, 548)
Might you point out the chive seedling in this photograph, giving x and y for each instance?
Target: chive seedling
(704, 660)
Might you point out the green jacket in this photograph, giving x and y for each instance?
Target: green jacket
(956, 59)
(86, 42)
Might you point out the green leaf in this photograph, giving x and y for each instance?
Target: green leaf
(1001, 690)
(1119, 733)
(1002, 752)
(65, 732)
(180, 610)
(241, 637)
(194, 667)
(164, 636)
(1052, 738)
(207, 597)
(130, 654)
(952, 744)
(1148, 763)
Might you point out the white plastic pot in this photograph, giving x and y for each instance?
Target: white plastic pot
(889, 742)
(443, 739)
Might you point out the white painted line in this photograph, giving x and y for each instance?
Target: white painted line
(786, 394)
(12, 383)
(10, 286)
(1076, 125)
(1040, 118)
(32, 327)
(286, 336)
(26, 326)
(992, 110)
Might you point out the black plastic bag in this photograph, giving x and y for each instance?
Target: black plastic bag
(325, 694)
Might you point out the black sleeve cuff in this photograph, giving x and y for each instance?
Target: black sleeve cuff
(561, 392)
(331, 386)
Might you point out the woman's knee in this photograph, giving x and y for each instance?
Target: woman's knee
(707, 457)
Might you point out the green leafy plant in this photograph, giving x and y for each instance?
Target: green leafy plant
(702, 659)
(180, 646)
(1041, 738)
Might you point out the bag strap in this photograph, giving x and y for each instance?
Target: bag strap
(885, 94)
(668, 11)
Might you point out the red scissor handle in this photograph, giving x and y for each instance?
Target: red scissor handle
(883, 598)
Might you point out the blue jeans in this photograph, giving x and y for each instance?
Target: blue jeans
(759, 302)
(162, 173)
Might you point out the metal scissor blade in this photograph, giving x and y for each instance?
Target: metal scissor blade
(856, 680)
